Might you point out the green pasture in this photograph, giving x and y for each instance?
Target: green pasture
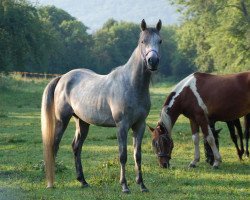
(21, 168)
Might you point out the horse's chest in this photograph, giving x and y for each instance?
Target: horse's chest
(137, 107)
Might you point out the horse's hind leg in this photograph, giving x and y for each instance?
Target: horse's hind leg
(138, 131)
(63, 114)
(60, 127)
(80, 135)
(237, 124)
(247, 132)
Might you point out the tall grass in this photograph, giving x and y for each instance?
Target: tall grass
(22, 172)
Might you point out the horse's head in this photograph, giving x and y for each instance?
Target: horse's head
(149, 43)
(162, 144)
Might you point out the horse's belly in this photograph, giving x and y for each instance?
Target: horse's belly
(94, 115)
(229, 113)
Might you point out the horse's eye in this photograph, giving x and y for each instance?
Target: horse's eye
(160, 41)
(142, 41)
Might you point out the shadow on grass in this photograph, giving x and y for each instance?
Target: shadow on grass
(12, 193)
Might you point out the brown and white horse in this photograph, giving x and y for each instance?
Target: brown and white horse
(204, 99)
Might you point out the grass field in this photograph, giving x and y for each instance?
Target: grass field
(21, 169)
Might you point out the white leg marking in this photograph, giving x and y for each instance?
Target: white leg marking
(211, 142)
(196, 140)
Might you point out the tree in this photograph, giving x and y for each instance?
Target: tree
(19, 35)
(216, 34)
(114, 44)
(67, 40)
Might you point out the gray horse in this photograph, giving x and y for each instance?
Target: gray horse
(119, 99)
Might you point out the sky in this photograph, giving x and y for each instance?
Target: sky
(94, 13)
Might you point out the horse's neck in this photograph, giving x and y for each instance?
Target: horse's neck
(139, 75)
(169, 115)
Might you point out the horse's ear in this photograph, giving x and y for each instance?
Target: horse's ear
(158, 25)
(143, 25)
(151, 130)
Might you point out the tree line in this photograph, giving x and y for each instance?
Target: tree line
(213, 36)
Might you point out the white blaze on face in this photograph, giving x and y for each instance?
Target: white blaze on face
(190, 82)
(153, 45)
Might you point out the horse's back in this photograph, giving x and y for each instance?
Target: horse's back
(225, 95)
(207, 83)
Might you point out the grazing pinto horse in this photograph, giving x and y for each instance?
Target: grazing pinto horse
(120, 99)
(231, 126)
(204, 99)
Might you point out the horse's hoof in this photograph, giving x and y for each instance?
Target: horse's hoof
(125, 188)
(191, 165)
(216, 167)
(144, 189)
(210, 162)
(50, 187)
(85, 185)
(126, 191)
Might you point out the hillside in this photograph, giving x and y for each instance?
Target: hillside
(96, 12)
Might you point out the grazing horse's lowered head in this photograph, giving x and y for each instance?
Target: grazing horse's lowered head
(162, 144)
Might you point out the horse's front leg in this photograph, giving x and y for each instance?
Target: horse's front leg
(196, 139)
(138, 132)
(122, 140)
(80, 135)
(208, 134)
(231, 125)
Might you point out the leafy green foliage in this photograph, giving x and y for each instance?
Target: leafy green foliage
(215, 34)
(19, 36)
(48, 39)
(214, 37)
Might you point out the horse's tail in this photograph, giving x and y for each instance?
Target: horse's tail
(48, 130)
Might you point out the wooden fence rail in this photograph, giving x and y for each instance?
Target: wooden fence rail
(35, 75)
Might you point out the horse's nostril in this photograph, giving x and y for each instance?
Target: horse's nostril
(150, 61)
(153, 61)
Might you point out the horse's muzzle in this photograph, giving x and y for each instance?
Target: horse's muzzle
(153, 63)
(152, 60)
